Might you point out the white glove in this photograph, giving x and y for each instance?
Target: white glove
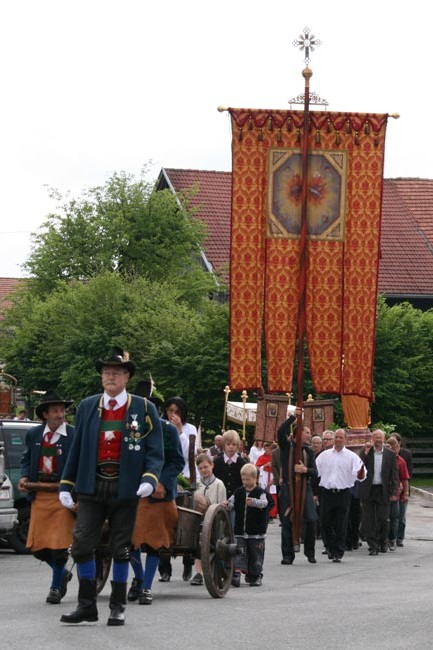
(66, 500)
(145, 490)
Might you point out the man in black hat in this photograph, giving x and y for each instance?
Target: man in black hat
(117, 456)
(50, 529)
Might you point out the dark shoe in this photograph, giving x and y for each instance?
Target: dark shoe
(165, 577)
(145, 597)
(117, 604)
(312, 559)
(287, 560)
(66, 577)
(391, 545)
(400, 542)
(187, 573)
(257, 582)
(355, 546)
(86, 609)
(373, 551)
(248, 579)
(54, 597)
(117, 615)
(134, 590)
(383, 548)
(197, 580)
(236, 580)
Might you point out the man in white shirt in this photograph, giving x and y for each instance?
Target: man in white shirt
(338, 469)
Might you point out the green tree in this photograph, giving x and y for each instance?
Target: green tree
(403, 374)
(54, 342)
(122, 226)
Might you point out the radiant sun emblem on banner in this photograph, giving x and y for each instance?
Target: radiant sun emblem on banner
(326, 194)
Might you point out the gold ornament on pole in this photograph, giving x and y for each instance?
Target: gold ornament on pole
(244, 397)
(226, 397)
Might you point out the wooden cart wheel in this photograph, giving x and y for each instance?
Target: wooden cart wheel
(217, 550)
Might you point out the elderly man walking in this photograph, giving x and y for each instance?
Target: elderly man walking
(377, 492)
(117, 454)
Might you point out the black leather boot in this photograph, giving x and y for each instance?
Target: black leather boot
(86, 610)
(117, 603)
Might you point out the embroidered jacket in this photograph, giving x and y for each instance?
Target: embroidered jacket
(142, 450)
(31, 455)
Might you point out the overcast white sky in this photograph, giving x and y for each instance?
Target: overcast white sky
(90, 87)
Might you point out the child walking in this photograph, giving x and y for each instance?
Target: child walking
(250, 504)
(212, 488)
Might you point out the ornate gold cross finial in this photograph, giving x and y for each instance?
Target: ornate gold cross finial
(307, 42)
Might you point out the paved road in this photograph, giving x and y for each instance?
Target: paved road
(382, 602)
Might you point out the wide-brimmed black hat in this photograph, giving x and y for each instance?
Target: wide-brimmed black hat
(118, 357)
(50, 398)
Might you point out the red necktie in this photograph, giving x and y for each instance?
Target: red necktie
(48, 436)
(112, 403)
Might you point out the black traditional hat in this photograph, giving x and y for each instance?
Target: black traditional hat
(50, 398)
(144, 388)
(118, 357)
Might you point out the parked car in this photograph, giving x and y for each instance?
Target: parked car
(12, 437)
(8, 514)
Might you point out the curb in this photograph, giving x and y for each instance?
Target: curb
(422, 493)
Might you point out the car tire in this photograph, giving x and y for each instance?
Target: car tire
(17, 539)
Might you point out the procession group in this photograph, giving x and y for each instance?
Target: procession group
(121, 464)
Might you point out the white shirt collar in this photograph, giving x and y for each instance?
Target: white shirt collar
(231, 459)
(61, 430)
(121, 399)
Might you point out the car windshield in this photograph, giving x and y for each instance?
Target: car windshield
(14, 441)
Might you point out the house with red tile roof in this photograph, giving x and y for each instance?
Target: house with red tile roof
(7, 286)
(406, 265)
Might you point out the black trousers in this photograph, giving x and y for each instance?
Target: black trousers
(165, 567)
(92, 513)
(353, 523)
(334, 512)
(308, 525)
(375, 518)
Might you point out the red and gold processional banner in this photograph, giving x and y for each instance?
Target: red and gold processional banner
(345, 176)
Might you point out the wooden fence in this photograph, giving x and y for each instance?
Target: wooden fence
(422, 454)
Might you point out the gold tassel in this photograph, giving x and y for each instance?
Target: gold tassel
(260, 135)
(250, 124)
(289, 124)
(328, 125)
(367, 128)
(337, 138)
(240, 136)
(356, 137)
(298, 136)
(376, 139)
(279, 136)
(348, 126)
(270, 124)
(317, 136)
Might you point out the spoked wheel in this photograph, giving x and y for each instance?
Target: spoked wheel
(217, 550)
